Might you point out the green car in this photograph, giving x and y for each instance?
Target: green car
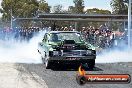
(66, 47)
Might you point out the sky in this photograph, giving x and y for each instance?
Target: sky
(101, 4)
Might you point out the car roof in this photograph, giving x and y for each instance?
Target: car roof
(63, 32)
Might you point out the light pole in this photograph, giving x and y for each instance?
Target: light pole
(11, 19)
(11, 16)
(129, 25)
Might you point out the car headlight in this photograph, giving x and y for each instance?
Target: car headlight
(89, 52)
(55, 52)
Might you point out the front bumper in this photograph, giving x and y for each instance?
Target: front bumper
(72, 58)
(67, 60)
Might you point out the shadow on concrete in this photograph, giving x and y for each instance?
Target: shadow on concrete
(74, 68)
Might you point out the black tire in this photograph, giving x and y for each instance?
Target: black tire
(91, 64)
(43, 60)
(47, 64)
(46, 61)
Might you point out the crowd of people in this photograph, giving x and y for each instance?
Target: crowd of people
(101, 37)
(18, 33)
(104, 37)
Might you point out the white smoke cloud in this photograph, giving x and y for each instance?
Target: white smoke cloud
(26, 52)
(20, 52)
(115, 56)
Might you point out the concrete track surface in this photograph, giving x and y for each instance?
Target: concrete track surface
(36, 76)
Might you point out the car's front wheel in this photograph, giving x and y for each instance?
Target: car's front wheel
(47, 64)
(43, 60)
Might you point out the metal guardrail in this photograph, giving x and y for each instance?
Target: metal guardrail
(78, 17)
(81, 16)
(73, 19)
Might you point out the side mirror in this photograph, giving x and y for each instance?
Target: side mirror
(43, 40)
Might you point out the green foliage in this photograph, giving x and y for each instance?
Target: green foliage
(23, 8)
(78, 8)
(97, 11)
(44, 7)
(71, 9)
(57, 9)
(119, 7)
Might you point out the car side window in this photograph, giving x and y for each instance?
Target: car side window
(45, 38)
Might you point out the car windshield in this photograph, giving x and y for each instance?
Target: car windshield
(58, 37)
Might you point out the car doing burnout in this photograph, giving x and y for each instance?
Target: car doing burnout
(66, 47)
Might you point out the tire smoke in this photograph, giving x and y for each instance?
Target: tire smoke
(12, 51)
(115, 55)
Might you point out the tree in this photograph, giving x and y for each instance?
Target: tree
(119, 7)
(44, 7)
(57, 9)
(79, 6)
(71, 9)
(22, 8)
(97, 11)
